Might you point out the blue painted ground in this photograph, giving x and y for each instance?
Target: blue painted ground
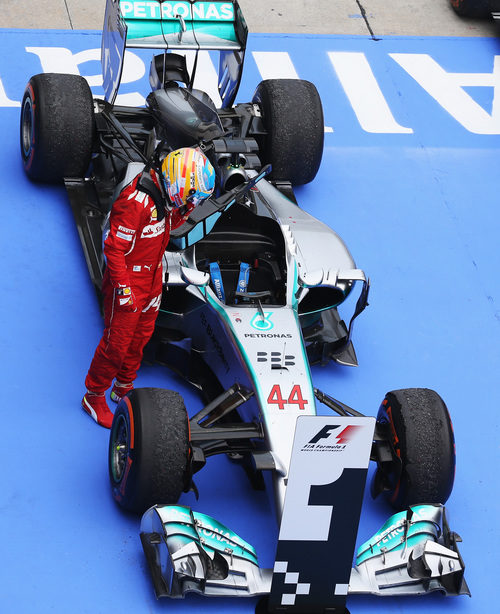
(420, 214)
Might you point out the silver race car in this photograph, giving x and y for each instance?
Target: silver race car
(251, 295)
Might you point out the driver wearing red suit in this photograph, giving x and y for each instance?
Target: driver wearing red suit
(133, 280)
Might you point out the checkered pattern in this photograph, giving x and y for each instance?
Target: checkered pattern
(291, 577)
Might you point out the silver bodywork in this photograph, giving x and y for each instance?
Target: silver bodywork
(316, 258)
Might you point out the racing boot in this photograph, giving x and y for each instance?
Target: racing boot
(97, 408)
(119, 390)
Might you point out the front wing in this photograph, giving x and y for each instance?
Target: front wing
(413, 553)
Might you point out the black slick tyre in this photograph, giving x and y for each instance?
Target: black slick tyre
(292, 114)
(421, 433)
(57, 127)
(149, 449)
(472, 8)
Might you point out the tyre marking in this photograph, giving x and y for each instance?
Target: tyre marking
(125, 476)
(394, 434)
(131, 422)
(396, 449)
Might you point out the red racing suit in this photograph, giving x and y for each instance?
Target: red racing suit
(134, 250)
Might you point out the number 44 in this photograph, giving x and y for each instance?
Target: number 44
(294, 398)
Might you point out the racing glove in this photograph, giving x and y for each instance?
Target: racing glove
(125, 298)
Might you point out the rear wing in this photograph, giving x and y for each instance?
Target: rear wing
(170, 25)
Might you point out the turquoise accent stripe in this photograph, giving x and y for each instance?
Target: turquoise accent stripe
(299, 329)
(185, 525)
(150, 20)
(141, 29)
(295, 291)
(208, 523)
(306, 361)
(391, 535)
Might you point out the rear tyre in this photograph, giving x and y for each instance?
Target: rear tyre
(421, 434)
(57, 127)
(293, 119)
(472, 8)
(149, 449)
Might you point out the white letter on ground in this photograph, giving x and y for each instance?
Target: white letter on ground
(364, 93)
(447, 89)
(62, 60)
(275, 65)
(4, 100)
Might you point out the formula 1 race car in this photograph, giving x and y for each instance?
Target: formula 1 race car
(250, 301)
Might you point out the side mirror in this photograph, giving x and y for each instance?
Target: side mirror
(194, 277)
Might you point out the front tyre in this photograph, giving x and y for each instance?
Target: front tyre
(149, 449)
(293, 120)
(57, 127)
(420, 430)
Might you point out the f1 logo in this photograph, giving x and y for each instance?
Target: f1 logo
(344, 437)
(324, 433)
